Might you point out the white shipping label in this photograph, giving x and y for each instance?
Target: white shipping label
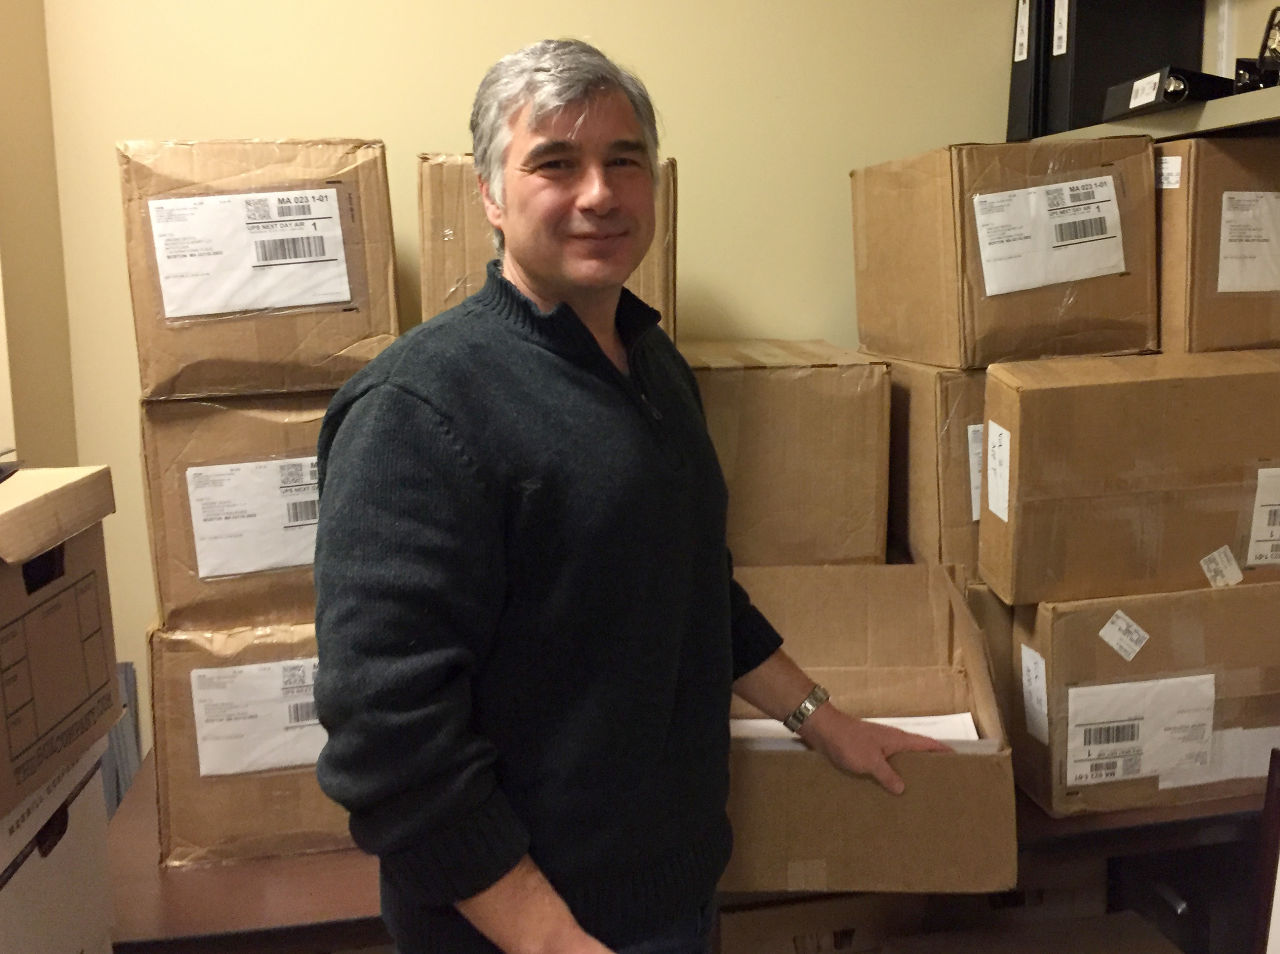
(1124, 635)
(1061, 14)
(1136, 729)
(1035, 694)
(1144, 90)
(1264, 539)
(1065, 232)
(1221, 567)
(1169, 173)
(254, 718)
(999, 453)
(257, 515)
(217, 254)
(1021, 31)
(1249, 243)
(975, 470)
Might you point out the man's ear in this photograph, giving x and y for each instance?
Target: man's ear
(492, 211)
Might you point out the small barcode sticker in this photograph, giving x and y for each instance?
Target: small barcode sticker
(287, 249)
(1264, 543)
(1124, 635)
(301, 511)
(1111, 734)
(1085, 229)
(1221, 568)
(302, 712)
(1144, 91)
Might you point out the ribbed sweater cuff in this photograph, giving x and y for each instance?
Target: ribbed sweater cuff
(462, 860)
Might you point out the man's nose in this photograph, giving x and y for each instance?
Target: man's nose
(595, 190)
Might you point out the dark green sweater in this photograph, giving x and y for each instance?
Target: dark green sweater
(526, 618)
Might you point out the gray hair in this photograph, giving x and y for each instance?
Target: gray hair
(549, 75)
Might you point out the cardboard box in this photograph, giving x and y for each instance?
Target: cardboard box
(857, 922)
(925, 294)
(241, 472)
(54, 896)
(802, 432)
(995, 618)
(1219, 291)
(457, 240)
(1120, 475)
(1193, 714)
(283, 307)
(885, 641)
(1121, 933)
(935, 463)
(57, 650)
(1051, 886)
(264, 674)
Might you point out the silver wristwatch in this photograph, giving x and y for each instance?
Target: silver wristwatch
(816, 697)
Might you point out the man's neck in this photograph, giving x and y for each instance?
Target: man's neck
(597, 309)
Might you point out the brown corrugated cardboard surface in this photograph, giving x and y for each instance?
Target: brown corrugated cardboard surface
(1121, 933)
(930, 492)
(1126, 472)
(1227, 632)
(306, 348)
(885, 640)
(57, 647)
(921, 294)
(802, 432)
(230, 817)
(995, 619)
(177, 435)
(457, 240)
(1194, 315)
(851, 923)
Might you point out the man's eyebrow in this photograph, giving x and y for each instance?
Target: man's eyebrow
(546, 148)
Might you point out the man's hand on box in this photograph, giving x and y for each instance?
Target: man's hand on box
(863, 748)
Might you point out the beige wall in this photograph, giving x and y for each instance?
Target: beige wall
(1233, 28)
(766, 105)
(6, 389)
(35, 303)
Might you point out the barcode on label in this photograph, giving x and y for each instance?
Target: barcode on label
(257, 210)
(302, 511)
(1082, 195)
(1111, 734)
(302, 712)
(285, 211)
(1103, 768)
(1273, 518)
(1083, 229)
(285, 249)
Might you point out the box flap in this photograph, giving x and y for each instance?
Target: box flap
(766, 353)
(42, 507)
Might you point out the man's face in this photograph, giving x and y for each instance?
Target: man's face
(578, 212)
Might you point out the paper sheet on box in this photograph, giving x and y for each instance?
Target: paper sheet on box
(258, 717)
(1237, 753)
(956, 729)
(1249, 242)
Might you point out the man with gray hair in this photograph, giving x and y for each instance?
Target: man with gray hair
(527, 620)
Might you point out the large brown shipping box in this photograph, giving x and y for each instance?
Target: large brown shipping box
(1113, 476)
(57, 648)
(922, 290)
(1219, 214)
(227, 817)
(267, 435)
(457, 239)
(885, 641)
(210, 333)
(782, 924)
(1146, 701)
(935, 463)
(802, 432)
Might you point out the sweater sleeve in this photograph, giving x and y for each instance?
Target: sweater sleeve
(754, 638)
(409, 586)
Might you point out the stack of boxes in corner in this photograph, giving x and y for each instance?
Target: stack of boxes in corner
(262, 278)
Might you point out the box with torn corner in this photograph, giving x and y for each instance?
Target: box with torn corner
(801, 429)
(980, 253)
(887, 641)
(1148, 473)
(1219, 212)
(457, 240)
(236, 743)
(1146, 701)
(935, 463)
(257, 266)
(57, 648)
(232, 504)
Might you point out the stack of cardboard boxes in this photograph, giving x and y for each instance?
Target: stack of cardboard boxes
(262, 278)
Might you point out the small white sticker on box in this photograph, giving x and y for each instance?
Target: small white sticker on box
(1035, 695)
(1249, 242)
(1021, 31)
(999, 445)
(975, 470)
(1047, 235)
(1221, 567)
(1061, 15)
(252, 516)
(1264, 538)
(1135, 729)
(1170, 173)
(1144, 90)
(258, 717)
(1124, 635)
(220, 254)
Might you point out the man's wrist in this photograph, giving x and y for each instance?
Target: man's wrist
(807, 707)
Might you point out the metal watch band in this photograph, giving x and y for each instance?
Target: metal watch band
(816, 697)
